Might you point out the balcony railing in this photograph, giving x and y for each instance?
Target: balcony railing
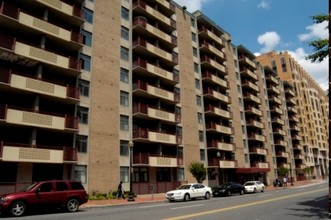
(156, 160)
(144, 134)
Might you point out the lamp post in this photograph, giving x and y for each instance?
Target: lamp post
(291, 174)
(131, 194)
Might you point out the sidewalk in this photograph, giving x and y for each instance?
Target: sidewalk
(149, 198)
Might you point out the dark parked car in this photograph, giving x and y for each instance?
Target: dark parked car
(68, 194)
(228, 189)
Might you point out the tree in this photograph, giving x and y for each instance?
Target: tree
(320, 46)
(283, 171)
(198, 171)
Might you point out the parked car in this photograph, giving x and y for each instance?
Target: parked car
(254, 186)
(187, 192)
(228, 189)
(68, 194)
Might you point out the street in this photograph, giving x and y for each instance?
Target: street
(306, 202)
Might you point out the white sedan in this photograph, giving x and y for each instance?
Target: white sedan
(190, 191)
(254, 186)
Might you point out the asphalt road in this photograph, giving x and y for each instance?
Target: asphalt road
(307, 202)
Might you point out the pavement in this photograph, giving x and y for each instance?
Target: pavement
(153, 198)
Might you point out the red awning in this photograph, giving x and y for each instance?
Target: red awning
(252, 170)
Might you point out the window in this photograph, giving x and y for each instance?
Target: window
(197, 83)
(192, 22)
(87, 38)
(124, 148)
(124, 174)
(125, 33)
(201, 138)
(140, 175)
(88, 15)
(124, 53)
(124, 123)
(124, 13)
(163, 175)
(84, 87)
(124, 99)
(80, 173)
(199, 100)
(46, 187)
(61, 186)
(200, 121)
(124, 75)
(81, 143)
(180, 174)
(202, 155)
(195, 52)
(82, 113)
(85, 62)
(196, 68)
(194, 37)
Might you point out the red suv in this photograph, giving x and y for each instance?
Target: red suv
(68, 194)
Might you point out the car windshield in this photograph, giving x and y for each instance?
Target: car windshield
(184, 187)
(29, 188)
(249, 184)
(224, 185)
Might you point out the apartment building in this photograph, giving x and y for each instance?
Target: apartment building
(307, 111)
(136, 90)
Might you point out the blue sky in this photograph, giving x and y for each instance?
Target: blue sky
(265, 25)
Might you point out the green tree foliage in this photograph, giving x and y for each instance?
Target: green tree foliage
(198, 171)
(320, 46)
(282, 171)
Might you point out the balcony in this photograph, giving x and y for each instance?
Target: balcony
(11, 152)
(144, 48)
(299, 156)
(208, 48)
(18, 52)
(294, 118)
(143, 111)
(212, 110)
(156, 160)
(17, 116)
(210, 93)
(290, 92)
(220, 145)
(253, 110)
(259, 151)
(295, 128)
(211, 78)
(246, 60)
(255, 123)
(279, 131)
(282, 154)
(145, 135)
(208, 62)
(281, 143)
(262, 165)
(213, 127)
(250, 85)
(290, 101)
(273, 89)
(204, 31)
(274, 99)
(277, 120)
(256, 137)
(143, 68)
(165, 23)
(272, 79)
(251, 97)
(292, 109)
(276, 110)
(17, 81)
(215, 162)
(143, 89)
(141, 27)
(297, 147)
(296, 137)
(247, 72)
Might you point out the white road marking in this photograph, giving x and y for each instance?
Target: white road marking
(190, 206)
(151, 206)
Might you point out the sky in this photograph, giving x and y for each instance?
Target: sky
(265, 25)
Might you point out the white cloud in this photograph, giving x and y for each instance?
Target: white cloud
(192, 5)
(270, 40)
(315, 31)
(264, 4)
(318, 71)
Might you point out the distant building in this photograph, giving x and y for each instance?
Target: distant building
(82, 82)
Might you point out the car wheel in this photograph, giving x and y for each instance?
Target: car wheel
(207, 195)
(72, 205)
(262, 190)
(18, 208)
(254, 190)
(186, 197)
(242, 192)
(228, 193)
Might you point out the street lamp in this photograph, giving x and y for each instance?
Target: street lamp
(291, 174)
(131, 194)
